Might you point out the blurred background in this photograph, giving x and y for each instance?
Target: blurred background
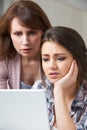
(70, 13)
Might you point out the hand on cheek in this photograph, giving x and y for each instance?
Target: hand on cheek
(69, 79)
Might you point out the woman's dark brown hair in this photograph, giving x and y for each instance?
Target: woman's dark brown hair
(73, 42)
(29, 14)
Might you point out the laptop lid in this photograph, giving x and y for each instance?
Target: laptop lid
(23, 110)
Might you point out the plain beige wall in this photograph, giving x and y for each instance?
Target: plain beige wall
(62, 14)
(84, 26)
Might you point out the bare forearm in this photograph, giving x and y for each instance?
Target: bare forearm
(63, 119)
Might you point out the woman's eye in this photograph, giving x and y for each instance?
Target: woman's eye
(61, 58)
(32, 32)
(18, 33)
(45, 59)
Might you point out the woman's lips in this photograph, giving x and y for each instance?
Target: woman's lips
(27, 50)
(53, 75)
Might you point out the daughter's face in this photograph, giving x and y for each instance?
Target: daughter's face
(56, 60)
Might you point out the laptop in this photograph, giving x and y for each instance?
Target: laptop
(23, 110)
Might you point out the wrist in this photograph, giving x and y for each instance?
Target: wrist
(58, 91)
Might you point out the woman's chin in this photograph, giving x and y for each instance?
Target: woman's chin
(53, 81)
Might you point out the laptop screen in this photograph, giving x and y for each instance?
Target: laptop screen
(23, 110)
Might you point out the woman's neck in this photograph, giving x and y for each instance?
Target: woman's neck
(30, 59)
(30, 70)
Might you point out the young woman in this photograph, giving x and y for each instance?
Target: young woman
(21, 30)
(64, 62)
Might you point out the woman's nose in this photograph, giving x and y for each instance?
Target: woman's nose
(25, 40)
(52, 65)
